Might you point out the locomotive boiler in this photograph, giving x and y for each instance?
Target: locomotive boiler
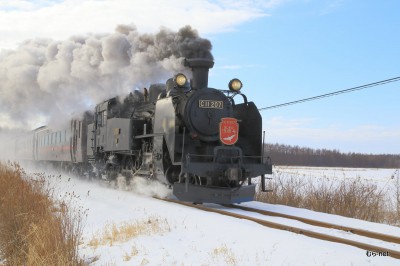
(191, 137)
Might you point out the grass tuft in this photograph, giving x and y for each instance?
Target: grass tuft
(121, 233)
(225, 253)
(35, 229)
(355, 198)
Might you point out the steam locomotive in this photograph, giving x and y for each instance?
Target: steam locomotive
(189, 136)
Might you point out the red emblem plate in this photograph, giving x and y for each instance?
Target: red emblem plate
(228, 130)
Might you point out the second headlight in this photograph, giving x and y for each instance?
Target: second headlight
(235, 85)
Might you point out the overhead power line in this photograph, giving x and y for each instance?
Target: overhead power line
(378, 83)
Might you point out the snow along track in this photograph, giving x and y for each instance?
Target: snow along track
(323, 236)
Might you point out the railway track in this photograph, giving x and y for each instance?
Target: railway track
(357, 231)
(310, 233)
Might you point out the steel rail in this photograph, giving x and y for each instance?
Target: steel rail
(368, 247)
(357, 231)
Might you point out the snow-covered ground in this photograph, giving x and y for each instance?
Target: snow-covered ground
(171, 234)
(378, 175)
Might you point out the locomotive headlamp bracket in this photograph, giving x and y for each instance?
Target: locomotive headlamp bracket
(235, 85)
(180, 80)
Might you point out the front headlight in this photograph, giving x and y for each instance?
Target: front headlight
(180, 80)
(235, 85)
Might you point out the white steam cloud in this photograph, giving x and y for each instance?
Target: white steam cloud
(7, 142)
(48, 81)
(142, 186)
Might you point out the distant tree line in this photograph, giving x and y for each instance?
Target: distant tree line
(301, 156)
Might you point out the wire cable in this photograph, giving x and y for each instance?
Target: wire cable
(378, 83)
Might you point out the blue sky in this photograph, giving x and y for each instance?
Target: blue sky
(308, 48)
(282, 50)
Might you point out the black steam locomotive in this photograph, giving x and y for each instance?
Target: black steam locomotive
(189, 136)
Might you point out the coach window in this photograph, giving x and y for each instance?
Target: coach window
(79, 129)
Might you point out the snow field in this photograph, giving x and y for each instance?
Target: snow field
(186, 236)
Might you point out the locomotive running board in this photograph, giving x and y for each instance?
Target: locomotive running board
(201, 194)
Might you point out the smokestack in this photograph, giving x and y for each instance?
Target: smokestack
(200, 67)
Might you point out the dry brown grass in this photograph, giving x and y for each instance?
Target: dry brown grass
(225, 253)
(354, 198)
(396, 178)
(35, 229)
(128, 230)
(134, 252)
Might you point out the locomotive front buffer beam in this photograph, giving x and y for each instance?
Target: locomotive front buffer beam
(228, 164)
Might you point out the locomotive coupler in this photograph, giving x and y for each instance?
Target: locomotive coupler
(234, 174)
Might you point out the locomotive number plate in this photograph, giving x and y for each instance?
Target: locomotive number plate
(211, 104)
